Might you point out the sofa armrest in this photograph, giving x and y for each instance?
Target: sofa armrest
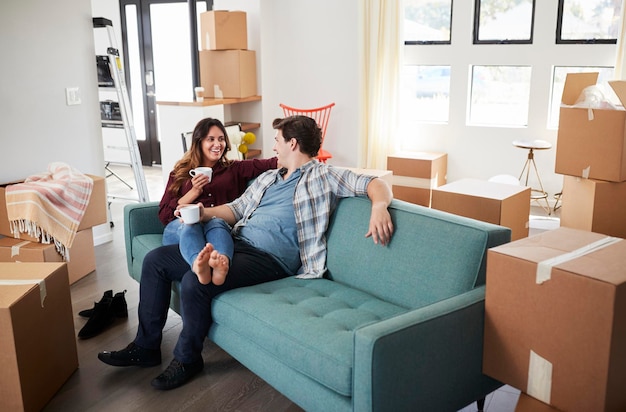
(140, 219)
(426, 359)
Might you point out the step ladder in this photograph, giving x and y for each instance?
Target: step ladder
(119, 82)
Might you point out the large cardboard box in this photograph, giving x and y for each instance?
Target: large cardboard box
(499, 203)
(37, 343)
(223, 30)
(228, 73)
(95, 214)
(82, 253)
(594, 205)
(591, 143)
(527, 403)
(555, 318)
(416, 174)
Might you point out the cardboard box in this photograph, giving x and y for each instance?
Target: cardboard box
(82, 253)
(95, 214)
(499, 203)
(228, 73)
(594, 205)
(37, 343)
(591, 147)
(527, 403)
(416, 174)
(555, 319)
(223, 30)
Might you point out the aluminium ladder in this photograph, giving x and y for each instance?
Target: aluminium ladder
(119, 82)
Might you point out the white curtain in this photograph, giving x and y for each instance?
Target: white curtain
(620, 55)
(382, 60)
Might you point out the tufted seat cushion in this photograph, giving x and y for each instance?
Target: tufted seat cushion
(307, 324)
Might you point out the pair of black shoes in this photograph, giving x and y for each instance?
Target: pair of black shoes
(175, 375)
(103, 314)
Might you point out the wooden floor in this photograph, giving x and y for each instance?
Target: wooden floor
(224, 385)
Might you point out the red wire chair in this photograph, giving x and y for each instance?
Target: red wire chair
(321, 116)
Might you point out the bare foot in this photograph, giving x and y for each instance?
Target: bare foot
(220, 265)
(201, 266)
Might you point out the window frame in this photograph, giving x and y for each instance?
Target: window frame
(434, 42)
(559, 30)
(476, 27)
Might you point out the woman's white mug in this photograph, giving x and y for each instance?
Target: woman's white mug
(202, 170)
(190, 214)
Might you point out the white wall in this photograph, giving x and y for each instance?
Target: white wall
(46, 47)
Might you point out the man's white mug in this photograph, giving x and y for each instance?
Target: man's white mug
(202, 170)
(190, 214)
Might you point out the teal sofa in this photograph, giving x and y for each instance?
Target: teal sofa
(396, 328)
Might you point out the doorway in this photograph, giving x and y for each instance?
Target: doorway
(157, 43)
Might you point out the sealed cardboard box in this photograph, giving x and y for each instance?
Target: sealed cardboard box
(223, 30)
(527, 403)
(499, 203)
(416, 174)
(555, 318)
(591, 143)
(95, 214)
(228, 73)
(594, 205)
(82, 253)
(37, 343)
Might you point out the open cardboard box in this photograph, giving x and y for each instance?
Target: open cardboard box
(591, 142)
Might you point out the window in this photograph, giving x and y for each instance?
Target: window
(588, 21)
(558, 81)
(500, 95)
(426, 93)
(498, 21)
(427, 21)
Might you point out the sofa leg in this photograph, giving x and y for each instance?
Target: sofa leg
(480, 403)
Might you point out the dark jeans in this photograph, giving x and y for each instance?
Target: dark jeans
(164, 265)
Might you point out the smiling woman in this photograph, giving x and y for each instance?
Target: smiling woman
(229, 178)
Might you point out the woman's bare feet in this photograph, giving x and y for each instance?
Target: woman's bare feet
(201, 266)
(220, 265)
(211, 266)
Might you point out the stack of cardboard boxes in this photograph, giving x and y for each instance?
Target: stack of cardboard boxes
(227, 67)
(555, 305)
(37, 338)
(591, 154)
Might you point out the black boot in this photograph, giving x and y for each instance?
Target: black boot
(119, 307)
(103, 315)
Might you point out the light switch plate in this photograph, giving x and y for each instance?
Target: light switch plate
(72, 96)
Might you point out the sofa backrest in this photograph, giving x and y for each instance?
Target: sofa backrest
(433, 255)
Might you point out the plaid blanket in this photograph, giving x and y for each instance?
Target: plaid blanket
(50, 206)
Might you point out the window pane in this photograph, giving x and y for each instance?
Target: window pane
(585, 20)
(504, 21)
(500, 95)
(427, 20)
(558, 81)
(425, 93)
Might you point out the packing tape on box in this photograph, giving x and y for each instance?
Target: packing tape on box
(417, 182)
(539, 378)
(544, 268)
(15, 249)
(40, 282)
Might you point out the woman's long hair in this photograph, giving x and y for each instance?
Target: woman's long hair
(193, 157)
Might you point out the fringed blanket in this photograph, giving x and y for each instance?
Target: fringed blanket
(50, 206)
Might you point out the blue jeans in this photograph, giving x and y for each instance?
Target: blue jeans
(192, 238)
(165, 265)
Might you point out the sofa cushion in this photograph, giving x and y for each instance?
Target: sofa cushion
(307, 324)
(141, 245)
(432, 255)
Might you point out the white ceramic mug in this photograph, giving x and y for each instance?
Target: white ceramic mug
(202, 170)
(190, 214)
